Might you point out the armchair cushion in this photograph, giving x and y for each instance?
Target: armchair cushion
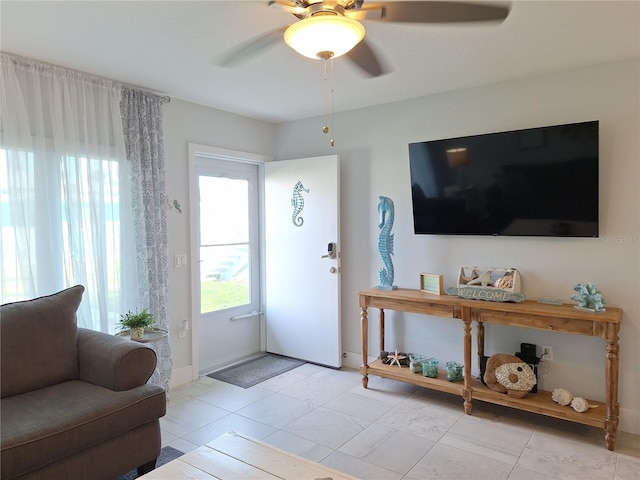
(48, 355)
(47, 425)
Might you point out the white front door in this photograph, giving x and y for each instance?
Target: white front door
(302, 218)
(226, 284)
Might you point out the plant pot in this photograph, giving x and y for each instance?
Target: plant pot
(137, 333)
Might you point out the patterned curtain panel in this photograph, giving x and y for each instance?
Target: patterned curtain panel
(142, 125)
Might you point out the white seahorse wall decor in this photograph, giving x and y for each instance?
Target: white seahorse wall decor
(386, 214)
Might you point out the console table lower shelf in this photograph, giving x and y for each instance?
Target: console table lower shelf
(539, 402)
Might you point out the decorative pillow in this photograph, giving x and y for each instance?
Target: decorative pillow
(38, 343)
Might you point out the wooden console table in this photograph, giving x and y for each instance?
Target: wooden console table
(527, 314)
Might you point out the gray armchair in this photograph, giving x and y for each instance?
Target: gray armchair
(74, 402)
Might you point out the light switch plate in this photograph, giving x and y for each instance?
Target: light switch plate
(180, 260)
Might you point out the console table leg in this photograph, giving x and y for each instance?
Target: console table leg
(467, 392)
(610, 428)
(364, 324)
(480, 341)
(611, 378)
(381, 331)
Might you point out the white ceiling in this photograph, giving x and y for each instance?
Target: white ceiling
(171, 47)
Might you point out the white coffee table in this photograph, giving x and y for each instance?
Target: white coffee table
(236, 457)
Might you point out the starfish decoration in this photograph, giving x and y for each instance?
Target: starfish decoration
(484, 280)
(396, 358)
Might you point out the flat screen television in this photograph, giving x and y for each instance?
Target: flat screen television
(532, 182)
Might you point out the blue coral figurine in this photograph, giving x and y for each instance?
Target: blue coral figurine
(588, 297)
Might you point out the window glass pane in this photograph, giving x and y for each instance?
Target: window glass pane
(224, 214)
(224, 243)
(17, 222)
(60, 226)
(224, 277)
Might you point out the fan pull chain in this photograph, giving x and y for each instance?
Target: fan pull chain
(332, 142)
(328, 98)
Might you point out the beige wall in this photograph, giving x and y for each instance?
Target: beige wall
(372, 145)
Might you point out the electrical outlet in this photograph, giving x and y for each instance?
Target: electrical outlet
(547, 353)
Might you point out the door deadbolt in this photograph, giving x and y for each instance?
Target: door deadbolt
(331, 250)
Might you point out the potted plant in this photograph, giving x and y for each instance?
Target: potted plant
(136, 323)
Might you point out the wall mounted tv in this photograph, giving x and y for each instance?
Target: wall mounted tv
(533, 182)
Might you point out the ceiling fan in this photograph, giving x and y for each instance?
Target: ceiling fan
(330, 28)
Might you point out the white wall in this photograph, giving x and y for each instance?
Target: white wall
(372, 144)
(189, 123)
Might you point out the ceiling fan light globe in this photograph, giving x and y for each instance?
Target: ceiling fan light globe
(319, 34)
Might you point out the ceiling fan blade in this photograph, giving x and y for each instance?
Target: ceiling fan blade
(439, 12)
(288, 6)
(363, 56)
(250, 48)
(375, 12)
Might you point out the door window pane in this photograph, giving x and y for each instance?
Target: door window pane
(224, 243)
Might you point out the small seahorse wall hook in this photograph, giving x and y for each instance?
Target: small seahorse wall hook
(297, 202)
(386, 214)
(173, 204)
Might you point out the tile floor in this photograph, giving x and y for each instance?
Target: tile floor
(393, 430)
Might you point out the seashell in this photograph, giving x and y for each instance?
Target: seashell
(505, 282)
(561, 396)
(580, 405)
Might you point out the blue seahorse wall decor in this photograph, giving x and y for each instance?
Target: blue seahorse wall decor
(297, 202)
(386, 214)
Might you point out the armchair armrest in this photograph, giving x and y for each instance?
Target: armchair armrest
(113, 362)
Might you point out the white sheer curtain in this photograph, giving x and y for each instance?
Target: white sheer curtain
(65, 212)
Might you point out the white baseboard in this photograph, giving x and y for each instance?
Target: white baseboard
(353, 360)
(181, 376)
(629, 421)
